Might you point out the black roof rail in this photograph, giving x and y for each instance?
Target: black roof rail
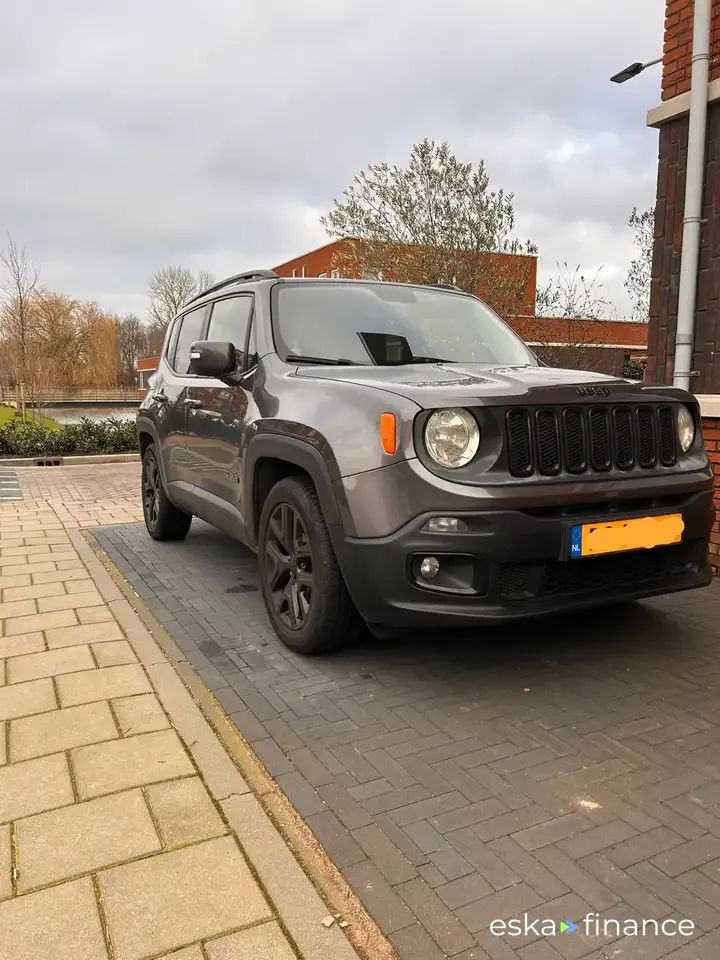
(447, 286)
(237, 278)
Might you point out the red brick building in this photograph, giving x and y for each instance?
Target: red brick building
(145, 368)
(336, 259)
(592, 344)
(671, 118)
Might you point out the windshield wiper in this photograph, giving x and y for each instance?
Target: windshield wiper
(422, 359)
(338, 362)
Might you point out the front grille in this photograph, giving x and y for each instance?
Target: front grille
(667, 436)
(647, 443)
(597, 438)
(527, 581)
(548, 441)
(624, 446)
(575, 442)
(519, 443)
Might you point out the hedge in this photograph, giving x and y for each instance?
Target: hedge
(30, 439)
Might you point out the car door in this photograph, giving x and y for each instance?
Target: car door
(217, 409)
(171, 393)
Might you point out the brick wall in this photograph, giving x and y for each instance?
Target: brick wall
(313, 263)
(677, 51)
(669, 212)
(711, 432)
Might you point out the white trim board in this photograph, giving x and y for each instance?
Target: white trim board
(709, 404)
(679, 106)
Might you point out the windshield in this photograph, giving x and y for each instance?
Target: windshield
(336, 321)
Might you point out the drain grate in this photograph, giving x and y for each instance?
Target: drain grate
(48, 462)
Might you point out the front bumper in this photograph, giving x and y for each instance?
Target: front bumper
(513, 564)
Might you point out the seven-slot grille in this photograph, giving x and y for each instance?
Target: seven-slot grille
(595, 438)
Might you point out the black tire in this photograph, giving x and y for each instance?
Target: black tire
(162, 518)
(302, 586)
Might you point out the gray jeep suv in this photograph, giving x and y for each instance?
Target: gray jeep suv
(396, 455)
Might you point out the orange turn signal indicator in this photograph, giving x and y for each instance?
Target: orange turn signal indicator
(388, 432)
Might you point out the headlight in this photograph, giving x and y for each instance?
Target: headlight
(685, 428)
(452, 437)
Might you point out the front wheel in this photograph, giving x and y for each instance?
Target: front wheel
(162, 518)
(302, 586)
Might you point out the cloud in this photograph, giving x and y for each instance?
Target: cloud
(216, 134)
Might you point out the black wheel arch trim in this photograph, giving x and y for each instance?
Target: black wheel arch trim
(146, 425)
(301, 454)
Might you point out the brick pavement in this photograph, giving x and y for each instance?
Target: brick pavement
(556, 768)
(92, 483)
(126, 831)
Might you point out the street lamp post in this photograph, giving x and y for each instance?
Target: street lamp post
(627, 73)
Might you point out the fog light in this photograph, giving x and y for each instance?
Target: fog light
(445, 525)
(429, 568)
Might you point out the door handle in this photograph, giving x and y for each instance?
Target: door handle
(160, 398)
(190, 402)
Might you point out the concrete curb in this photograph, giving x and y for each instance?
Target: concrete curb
(71, 461)
(288, 860)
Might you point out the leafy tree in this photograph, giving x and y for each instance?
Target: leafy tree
(634, 369)
(169, 290)
(637, 282)
(433, 221)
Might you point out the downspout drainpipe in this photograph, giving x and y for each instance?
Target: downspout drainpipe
(687, 295)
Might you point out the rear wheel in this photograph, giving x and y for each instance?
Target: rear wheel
(163, 520)
(302, 586)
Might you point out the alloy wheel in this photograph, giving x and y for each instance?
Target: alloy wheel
(151, 490)
(288, 566)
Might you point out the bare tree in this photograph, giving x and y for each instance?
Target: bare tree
(435, 220)
(132, 344)
(577, 299)
(572, 293)
(639, 275)
(19, 288)
(169, 290)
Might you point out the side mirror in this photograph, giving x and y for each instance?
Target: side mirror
(212, 358)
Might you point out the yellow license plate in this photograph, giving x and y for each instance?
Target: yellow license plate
(613, 536)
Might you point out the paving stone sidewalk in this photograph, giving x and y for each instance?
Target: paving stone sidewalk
(126, 830)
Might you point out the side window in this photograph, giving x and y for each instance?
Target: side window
(190, 331)
(172, 342)
(229, 323)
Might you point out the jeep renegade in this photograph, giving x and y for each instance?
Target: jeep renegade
(396, 455)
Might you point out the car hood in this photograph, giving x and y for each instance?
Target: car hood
(432, 385)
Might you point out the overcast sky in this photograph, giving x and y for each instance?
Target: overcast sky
(215, 134)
